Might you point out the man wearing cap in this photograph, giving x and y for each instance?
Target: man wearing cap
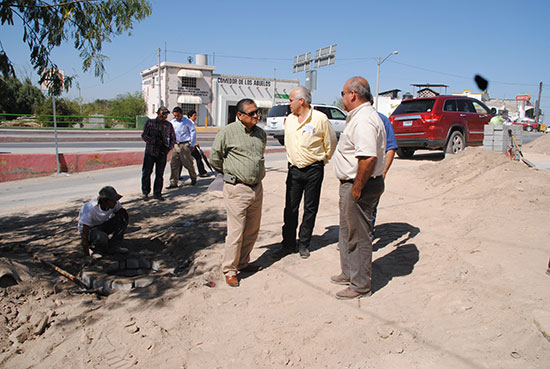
(238, 153)
(186, 138)
(159, 137)
(101, 218)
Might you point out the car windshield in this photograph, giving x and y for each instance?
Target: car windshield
(279, 111)
(415, 106)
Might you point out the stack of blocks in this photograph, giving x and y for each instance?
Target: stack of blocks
(496, 137)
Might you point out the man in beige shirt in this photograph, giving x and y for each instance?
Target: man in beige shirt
(310, 142)
(359, 164)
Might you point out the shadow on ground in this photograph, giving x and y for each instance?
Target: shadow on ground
(171, 232)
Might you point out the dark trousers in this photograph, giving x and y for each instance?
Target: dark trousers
(354, 239)
(307, 182)
(160, 163)
(115, 226)
(198, 158)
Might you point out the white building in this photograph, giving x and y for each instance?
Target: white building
(213, 96)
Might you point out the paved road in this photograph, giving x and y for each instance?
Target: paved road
(48, 192)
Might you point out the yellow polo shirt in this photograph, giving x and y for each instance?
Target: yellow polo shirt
(310, 141)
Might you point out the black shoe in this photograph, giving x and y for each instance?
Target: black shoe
(304, 252)
(158, 197)
(145, 197)
(193, 182)
(172, 186)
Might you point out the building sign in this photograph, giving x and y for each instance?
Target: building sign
(244, 81)
(525, 97)
(193, 91)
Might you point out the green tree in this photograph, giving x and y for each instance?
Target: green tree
(339, 103)
(63, 107)
(89, 23)
(17, 97)
(128, 105)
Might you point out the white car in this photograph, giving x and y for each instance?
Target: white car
(275, 125)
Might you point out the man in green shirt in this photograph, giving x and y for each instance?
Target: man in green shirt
(238, 153)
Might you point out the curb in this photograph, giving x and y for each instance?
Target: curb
(23, 166)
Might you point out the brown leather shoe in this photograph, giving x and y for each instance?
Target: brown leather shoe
(232, 280)
(349, 293)
(339, 279)
(251, 268)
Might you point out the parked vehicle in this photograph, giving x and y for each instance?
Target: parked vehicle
(275, 125)
(448, 123)
(528, 124)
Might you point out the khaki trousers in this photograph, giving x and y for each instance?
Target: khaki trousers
(244, 214)
(181, 156)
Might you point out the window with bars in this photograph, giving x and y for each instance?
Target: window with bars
(188, 82)
(187, 107)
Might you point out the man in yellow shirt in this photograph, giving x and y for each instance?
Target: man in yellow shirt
(310, 142)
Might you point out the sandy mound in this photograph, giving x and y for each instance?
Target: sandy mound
(540, 146)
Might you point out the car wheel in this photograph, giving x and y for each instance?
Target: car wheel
(405, 152)
(281, 140)
(456, 143)
(529, 129)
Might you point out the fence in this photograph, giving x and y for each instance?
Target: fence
(71, 121)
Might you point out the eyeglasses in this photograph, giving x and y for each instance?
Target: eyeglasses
(345, 92)
(252, 113)
(165, 113)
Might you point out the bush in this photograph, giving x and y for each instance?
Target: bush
(63, 107)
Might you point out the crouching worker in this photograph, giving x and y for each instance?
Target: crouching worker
(101, 218)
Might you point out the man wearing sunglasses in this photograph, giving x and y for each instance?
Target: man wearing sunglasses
(159, 137)
(238, 153)
(310, 142)
(359, 164)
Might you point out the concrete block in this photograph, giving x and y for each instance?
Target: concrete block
(132, 263)
(143, 282)
(144, 263)
(113, 267)
(122, 285)
(155, 266)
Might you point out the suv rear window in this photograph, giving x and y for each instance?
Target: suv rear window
(279, 111)
(415, 106)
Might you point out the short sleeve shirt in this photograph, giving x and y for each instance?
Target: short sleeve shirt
(363, 136)
(92, 215)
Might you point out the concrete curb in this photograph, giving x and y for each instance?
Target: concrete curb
(22, 166)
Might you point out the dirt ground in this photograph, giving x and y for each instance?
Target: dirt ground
(461, 249)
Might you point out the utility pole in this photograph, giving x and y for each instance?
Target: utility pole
(160, 99)
(537, 107)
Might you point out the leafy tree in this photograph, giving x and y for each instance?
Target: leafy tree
(62, 107)
(17, 97)
(99, 106)
(89, 23)
(339, 103)
(128, 105)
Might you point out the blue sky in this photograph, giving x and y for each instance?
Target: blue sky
(445, 42)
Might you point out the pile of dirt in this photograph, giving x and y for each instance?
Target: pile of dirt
(540, 146)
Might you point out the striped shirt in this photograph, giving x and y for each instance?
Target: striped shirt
(239, 152)
(159, 137)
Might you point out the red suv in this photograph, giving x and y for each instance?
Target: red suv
(447, 123)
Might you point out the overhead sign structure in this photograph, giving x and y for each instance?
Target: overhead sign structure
(323, 57)
(302, 62)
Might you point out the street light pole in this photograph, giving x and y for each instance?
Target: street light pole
(378, 75)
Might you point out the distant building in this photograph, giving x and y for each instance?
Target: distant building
(213, 96)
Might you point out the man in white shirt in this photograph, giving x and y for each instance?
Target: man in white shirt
(186, 138)
(359, 164)
(101, 218)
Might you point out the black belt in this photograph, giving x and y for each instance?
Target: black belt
(317, 163)
(184, 142)
(246, 184)
(352, 180)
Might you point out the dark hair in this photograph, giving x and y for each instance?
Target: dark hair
(242, 104)
(191, 112)
(177, 109)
